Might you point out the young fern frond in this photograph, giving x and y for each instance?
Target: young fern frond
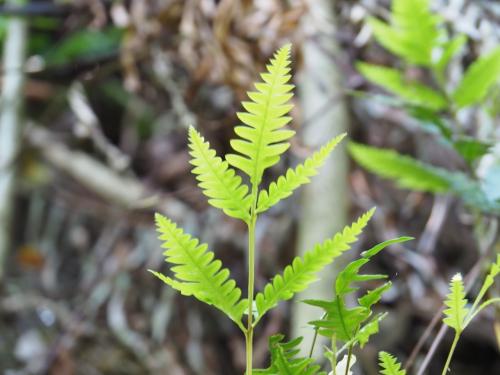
(196, 271)
(284, 359)
(456, 312)
(390, 365)
(294, 178)
(262, 138)
(341, 321)
(218, 181)
(303, 271)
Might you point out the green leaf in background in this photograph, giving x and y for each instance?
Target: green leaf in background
(450, 49)
(413, 32)
(478, 79)
(389, 365)
(470, 148)
(393, 81)
(406, 171)
(432, 122)
(85, 45)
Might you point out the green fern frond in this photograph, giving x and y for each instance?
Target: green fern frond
(406, 171)
(339, 321)
(456, 312)
(284, 359)
(395, 82)
(480, 76)
(285, 185)
(218, 181)
(303, 271)
(390, 365)
(413, 32)
(196, 271)
(262, 138)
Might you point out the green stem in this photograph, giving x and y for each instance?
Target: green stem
(450, 354)
(333, 358)
(315, 337)
(251, 280)
(349, 355)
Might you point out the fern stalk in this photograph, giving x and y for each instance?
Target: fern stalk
(450, 354)
(349, 356)
(251, 281)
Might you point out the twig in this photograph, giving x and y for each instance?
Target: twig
(14, 56)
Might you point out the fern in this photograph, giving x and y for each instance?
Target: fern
(303, 271)
(341, 321)
(389, 365)
(263, 139)
(285, 185)
(406, 171)
(284, 360)
(196, 271)
(394, 81)
(218, 181)
(478, 79)
(413, 32)
(456, 312)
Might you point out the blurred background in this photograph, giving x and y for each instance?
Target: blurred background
(97, 96)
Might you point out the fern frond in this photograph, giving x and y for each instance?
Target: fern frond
(302, 272)
(219, 181)
(339, 321)
(390, 365)
(285, 185)
(456, 312)
(480, 76)
(196, 272)
(395, 82)
(262, 138)
(413, 32)
(406, 171)
(284, 359)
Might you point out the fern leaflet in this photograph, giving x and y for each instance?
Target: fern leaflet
(390, 365)
(262, 139)
(413, 33)
(302, 272)
(196, 271)
(395, 82)
(408, 172)
(218, 181)
(456, 312)
(286, 184)
(284, 360)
